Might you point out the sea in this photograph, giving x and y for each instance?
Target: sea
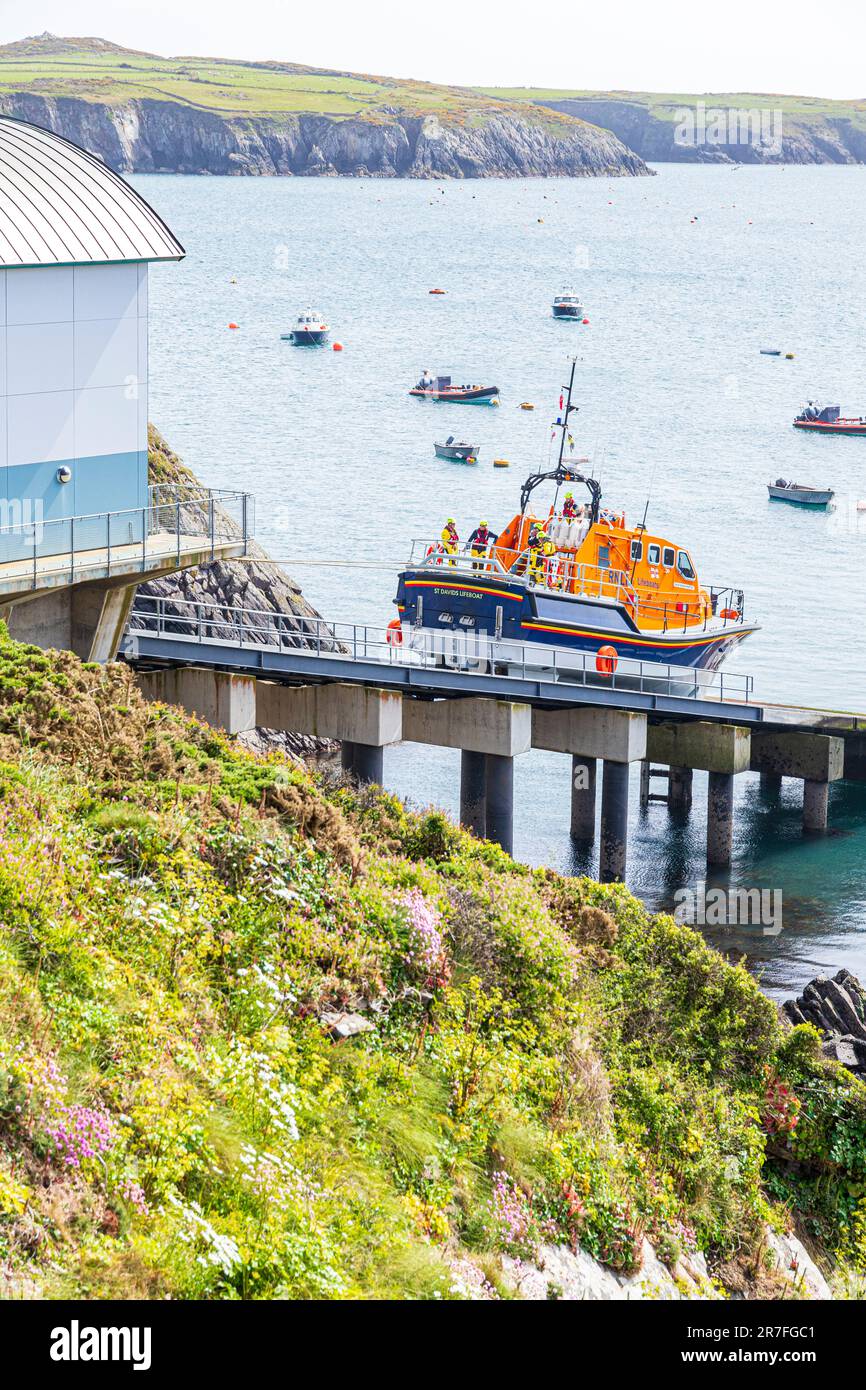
(685, 277)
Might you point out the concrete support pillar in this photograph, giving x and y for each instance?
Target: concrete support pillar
(97, 631)
(680, 789)
(500, 800)
(720, 819)
(583, 779)
(614, 822)
(815, 800)
(770, 783)
(221, 699)
(473, 792)
(364, 762)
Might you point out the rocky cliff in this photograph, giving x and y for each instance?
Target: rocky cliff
(255, 582)
(151, 136)
(825, 138)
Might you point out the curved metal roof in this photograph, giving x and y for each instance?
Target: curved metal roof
(60, 205)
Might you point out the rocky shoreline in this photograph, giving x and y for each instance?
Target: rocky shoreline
(148, 136)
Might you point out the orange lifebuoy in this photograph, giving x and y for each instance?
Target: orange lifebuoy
(607, 660)
(730, 613)
(394, 633)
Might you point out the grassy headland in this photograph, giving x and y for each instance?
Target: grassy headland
(182, 927)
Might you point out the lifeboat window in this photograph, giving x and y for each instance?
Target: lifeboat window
(604, 557)
(637, 550)
(668, 557)
(653, 554)
(685, 566)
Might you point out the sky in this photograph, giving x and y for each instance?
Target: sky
(646, 45)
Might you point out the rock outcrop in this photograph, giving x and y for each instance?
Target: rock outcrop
(837, 1007)
(150, 136)
(824, 139)
(253, 583)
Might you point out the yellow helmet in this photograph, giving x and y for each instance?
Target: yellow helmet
(449, 521)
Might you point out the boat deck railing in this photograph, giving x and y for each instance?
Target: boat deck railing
(210, 626)
(561, 573)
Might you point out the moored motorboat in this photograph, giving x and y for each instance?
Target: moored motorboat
(570, 587)
(828, 419)
(441, 388)
(783, 491)
(457, 452)
(310, 330)
(567, 305)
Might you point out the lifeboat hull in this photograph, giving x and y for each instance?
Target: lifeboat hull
(524, 625)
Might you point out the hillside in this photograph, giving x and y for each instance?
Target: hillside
(263, 1035)
(141, 112)
(810, 130)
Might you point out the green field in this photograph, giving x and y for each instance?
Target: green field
(99, 72)
(664, 105)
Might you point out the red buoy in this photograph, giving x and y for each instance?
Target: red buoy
(586, 320)
(232, 325)
(338, 347)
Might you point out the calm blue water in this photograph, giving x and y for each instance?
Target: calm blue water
(676, 404)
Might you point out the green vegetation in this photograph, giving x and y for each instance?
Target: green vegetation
(663, 106)
(182, 924)
(100, 72)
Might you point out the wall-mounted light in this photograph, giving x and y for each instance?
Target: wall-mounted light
(64, 473)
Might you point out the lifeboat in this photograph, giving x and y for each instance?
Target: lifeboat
(310, 330)
(571, 579)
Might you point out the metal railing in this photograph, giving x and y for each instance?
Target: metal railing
(561, 573)
(131, 536)
(209, 624)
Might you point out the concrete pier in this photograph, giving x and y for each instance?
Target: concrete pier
(499, 800)
(770, 783)
(583, 780)
(219, 698)
(817, 759)
(680, 789)
(614, 822)
(351, 713)
(720, 819)
(473, 792)
(364, 762)
(816, 797)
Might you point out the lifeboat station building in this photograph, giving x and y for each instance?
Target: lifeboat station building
(80, 525)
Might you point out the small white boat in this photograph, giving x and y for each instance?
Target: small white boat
(567, 305)
(310, 330)
(783, 491)
(456, 451)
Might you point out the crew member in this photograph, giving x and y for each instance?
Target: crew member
(479, 542)
(540, 548)
(569, 507)
(426, 381)
(450, 539)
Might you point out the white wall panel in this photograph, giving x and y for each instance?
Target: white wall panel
(40, 426)
(38, 358)
(106, 292)
(106, 352)
(43, 295)
(106, 421)
(142, 291)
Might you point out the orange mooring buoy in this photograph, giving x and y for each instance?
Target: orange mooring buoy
(232, 325)
(338, 347)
